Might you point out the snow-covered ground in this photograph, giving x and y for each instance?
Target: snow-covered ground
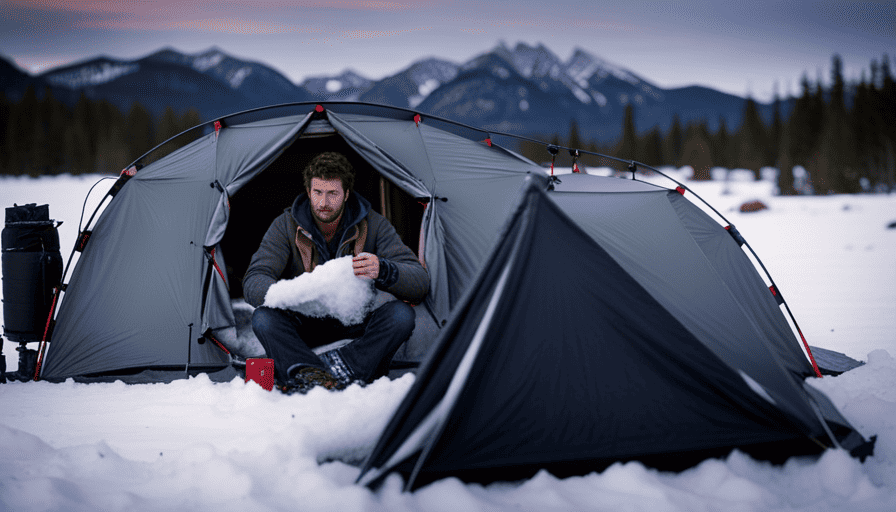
(197, 445)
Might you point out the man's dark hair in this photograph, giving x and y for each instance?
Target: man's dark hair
(328, 166)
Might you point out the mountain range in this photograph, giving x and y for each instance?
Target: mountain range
(524, 90)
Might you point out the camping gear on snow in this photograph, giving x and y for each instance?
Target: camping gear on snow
(612, 319)
(154, 284)
(32, 267)
(616, 324)
(260, 370)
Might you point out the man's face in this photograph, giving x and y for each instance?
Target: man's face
(327, 199)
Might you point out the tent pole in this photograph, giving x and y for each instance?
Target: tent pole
(824, 423)
(189, 350)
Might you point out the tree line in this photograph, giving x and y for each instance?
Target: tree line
(40, 135)
(842, 146)
(844, 143)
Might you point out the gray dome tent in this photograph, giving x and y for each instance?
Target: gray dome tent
(157, 275)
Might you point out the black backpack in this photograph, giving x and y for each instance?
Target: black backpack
(32, 268)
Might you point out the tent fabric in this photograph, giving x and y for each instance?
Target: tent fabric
(718, 293)
(243, 152)
(681, 276)
(154, 278)
(135, 298)
(565, 354)
(470, 187)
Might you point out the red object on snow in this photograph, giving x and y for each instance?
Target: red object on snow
(753, 206)
(260, 371)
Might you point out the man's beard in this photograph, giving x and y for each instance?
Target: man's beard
(328, 216)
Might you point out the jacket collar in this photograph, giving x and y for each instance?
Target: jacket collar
(356, 209)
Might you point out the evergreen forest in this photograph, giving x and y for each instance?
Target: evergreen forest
(841, 137)
(841, 143)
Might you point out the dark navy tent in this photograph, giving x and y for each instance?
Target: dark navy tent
(602, 329)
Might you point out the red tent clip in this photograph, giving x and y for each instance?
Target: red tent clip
(417, 119)
(488, 142)
(217, 127)
(775, 293)
(216, 266)
(680, 189)
(574, 153)
(319, 108)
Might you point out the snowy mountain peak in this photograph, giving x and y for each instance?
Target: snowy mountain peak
(167, 55)
(351, 79)
(583, 65)
(95, 72)
(236, 77)
(428, 75)
(208, 60)
(536, 62)
(433, 69)
(346, 86)
(530, 62)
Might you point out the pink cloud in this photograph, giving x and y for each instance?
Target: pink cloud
(211, 16)
(140, 9)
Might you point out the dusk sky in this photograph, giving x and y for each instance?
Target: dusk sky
(743, 47)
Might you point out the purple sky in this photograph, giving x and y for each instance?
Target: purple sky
(739, 47)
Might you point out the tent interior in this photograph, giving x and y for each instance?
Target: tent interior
(255, 206)
(260, 201)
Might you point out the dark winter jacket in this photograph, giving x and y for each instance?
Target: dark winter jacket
(293, 244)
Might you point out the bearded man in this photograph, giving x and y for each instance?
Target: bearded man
(330, 220)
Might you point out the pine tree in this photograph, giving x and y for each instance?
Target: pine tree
(5, 113)
(191, 118)
(628, 146)
(721, 145)
(750, 140)
(673, 144)
(775, 132)
(80, 138)
(139, 126)
(817, 113)
(20, 133)
(38, 154)
(888, 110)
(573, 140)
(837, 145)
(111, 145)
(535, 151)
(866, 124)
(698, 151)
(785, 163)
(53, 118)
(652, 148)
(167, 126)
(800, 132)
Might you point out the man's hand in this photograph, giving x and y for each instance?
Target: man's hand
(366, 265)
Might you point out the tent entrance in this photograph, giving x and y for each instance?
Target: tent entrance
(259, 202)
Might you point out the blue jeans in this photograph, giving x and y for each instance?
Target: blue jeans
(288, 337)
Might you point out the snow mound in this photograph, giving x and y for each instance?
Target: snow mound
(331, 290)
